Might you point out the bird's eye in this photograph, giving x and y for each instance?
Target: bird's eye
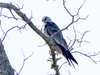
(45, 18)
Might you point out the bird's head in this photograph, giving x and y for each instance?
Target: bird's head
(46, 19)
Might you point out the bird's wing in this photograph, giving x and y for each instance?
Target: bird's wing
(52, 28)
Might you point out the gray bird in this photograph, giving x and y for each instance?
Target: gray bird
(49, 29)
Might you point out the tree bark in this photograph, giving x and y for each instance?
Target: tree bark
(5, 67)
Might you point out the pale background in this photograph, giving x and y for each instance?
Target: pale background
(20, 44)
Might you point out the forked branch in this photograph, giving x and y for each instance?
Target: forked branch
(34, 28)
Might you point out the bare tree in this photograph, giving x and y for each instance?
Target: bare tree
(34, 28)
(49, 40)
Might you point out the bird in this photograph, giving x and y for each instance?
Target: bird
(49, 29)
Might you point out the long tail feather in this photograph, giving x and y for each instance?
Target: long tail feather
(67, 54)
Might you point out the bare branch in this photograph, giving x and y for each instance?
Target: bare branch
(24, 17)
(89, 56)
(67, 69)
(80, 8)
(64, 1)
(73, 16)
(62, 65)
(12, 14)
(54, 64)
(22, 27)
(81, 40)
(10, 17)
(71, 47)
(95, 54)
(25, 59)
(70, 24)
(49, 41)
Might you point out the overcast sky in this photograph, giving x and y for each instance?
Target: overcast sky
(22, 43)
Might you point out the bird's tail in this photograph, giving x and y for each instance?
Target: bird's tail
(67, 55)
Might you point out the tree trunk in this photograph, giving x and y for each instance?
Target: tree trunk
(5, 67)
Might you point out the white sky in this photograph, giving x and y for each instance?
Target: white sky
(22, 43)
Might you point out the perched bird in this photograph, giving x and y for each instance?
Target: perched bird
(49, 29)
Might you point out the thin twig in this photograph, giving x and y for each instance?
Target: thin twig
(12, 14)
(62, 65)
(80, 8)
(25, 59)
(22, 27)
(9, 17)
(89, 56)
(71, 47)
(81, 40)
(95, 54)
(64, 1)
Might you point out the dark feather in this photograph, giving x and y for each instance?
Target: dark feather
(67, 54)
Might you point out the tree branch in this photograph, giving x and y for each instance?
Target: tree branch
(64, 5)
(25, 59)
(22, 27)
(89, 56)
(34, 28)
(72, 16)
